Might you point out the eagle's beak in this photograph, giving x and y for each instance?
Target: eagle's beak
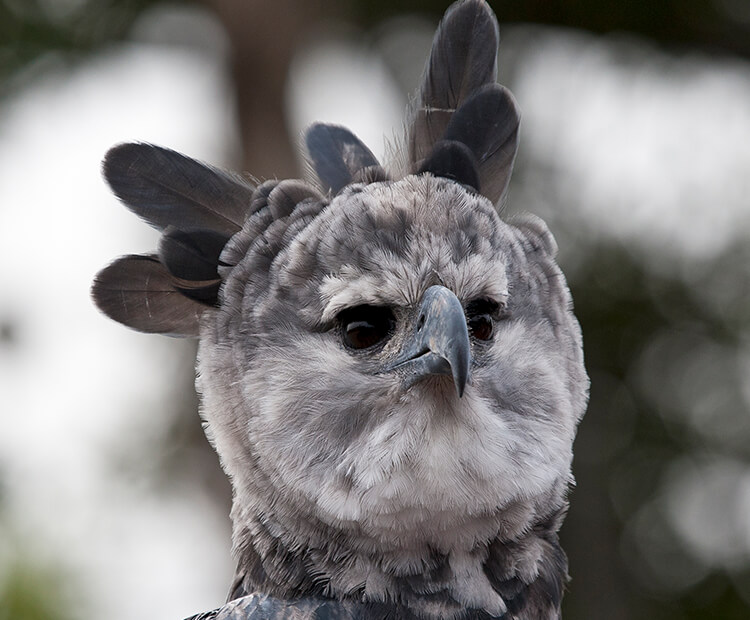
(439, 344)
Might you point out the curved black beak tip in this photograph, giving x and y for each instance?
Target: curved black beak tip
(440, 345)
(459, 380)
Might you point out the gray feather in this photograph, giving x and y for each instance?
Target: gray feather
(487, 122)
(463, 59)
(286, 195)
(452, 159)
(192, 254)
(167, 188)
(337, 155)
(139, 292)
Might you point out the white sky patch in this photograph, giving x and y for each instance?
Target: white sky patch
(77, 381)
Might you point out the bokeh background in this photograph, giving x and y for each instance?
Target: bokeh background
(635, 147)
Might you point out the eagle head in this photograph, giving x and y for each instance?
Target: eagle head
(391, 373)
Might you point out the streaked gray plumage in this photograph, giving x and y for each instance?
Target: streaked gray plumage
(391, 374)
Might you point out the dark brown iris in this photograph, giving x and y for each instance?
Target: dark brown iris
(366, 326)
(481, 315)
(481, 327)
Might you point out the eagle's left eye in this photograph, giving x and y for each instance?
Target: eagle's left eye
(366, 326)
(481, 315)
(481, 326)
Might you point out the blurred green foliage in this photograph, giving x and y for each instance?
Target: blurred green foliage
(31, 28)
(31, 588)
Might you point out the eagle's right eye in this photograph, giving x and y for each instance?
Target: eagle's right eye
(366, 326)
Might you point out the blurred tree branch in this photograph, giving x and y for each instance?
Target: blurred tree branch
(264, 37)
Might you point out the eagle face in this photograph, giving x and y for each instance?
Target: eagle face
(402, 366)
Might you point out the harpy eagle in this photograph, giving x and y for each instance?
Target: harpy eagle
(391, 374)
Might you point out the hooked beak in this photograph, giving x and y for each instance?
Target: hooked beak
(439, 344)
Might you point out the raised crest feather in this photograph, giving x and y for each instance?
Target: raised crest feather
(139, 292)
(487, 122)
(192, 254)
(463, 58)
(337, 155)
(167, 188)
(452, 159)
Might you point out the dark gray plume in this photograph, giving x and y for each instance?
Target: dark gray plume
(193, 258)
(454, 160)
(371, 174)
(205, 291)
(337, 155)
(463, 59)
(167, 188)
(192, 254)
(139, 292)
(487, 122)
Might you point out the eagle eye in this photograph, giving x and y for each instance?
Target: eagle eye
(481, 315)
(365, 326)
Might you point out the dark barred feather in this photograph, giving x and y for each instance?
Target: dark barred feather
(204, 291)
(192, 254)
(463, 59)
(453, 160)
(166, 188)
(487, 122)
(337, 155)
(139, 292)
(192, 257)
